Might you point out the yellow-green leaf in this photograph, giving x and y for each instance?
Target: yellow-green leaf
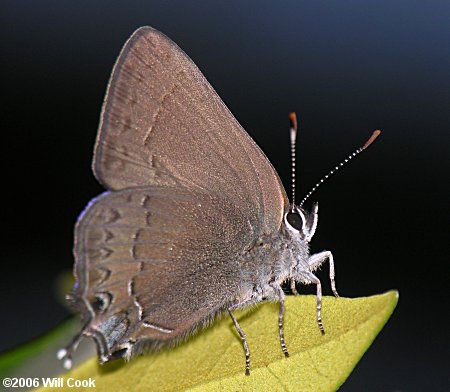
(214, 359)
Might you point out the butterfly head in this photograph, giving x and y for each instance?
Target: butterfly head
(301, 223)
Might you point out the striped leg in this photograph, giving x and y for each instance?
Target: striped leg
(314, 279)
(244, 343)
(280, 322)
(317, 259)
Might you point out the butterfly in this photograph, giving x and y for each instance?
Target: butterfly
(195, 220)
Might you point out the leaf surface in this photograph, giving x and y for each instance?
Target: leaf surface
(214, 359)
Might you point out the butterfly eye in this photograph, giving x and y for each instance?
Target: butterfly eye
(295, 220)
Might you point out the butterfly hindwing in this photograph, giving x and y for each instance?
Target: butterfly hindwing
(155, 263)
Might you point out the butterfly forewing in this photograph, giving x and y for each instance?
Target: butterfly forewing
(163, 124)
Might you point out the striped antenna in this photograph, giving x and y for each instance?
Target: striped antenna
(293, 121)
(372, 138)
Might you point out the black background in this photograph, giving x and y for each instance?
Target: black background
(346, 67)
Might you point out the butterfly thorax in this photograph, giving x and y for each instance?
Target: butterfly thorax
(272, 260)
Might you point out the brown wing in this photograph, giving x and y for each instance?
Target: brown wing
(163, 124)
(155, 263)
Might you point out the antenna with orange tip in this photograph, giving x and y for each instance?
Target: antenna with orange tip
(372, 138)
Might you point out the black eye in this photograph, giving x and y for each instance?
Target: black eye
(294, 220)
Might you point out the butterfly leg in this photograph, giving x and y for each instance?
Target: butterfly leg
(309, 276)
(294, 287)
(317, 259)
(281, 297)
(244, 342)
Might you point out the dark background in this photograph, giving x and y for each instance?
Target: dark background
(346, 67)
